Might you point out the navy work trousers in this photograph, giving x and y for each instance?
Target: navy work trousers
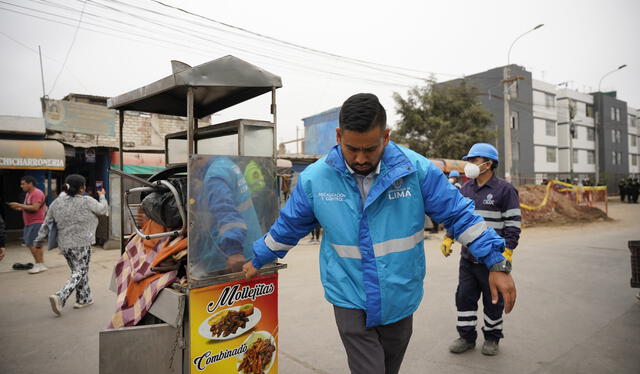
(473, 281)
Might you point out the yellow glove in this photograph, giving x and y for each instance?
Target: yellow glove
(508, 254)
(445, 246)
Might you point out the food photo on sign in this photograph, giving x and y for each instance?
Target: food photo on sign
(236, 327)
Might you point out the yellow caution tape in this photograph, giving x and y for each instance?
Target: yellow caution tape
(569, 187)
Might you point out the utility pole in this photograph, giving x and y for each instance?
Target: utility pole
(508, 162)
(507, 126)
(41, 72)
(572, 132)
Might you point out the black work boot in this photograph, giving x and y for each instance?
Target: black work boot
(490, 347)
(460, 345)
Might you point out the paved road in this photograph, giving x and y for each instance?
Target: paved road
(575, 311)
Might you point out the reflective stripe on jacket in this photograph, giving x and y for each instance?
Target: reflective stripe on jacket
(372, 256)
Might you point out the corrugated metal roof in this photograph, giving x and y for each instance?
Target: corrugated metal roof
(22, 125)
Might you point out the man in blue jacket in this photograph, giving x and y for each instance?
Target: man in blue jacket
(370, 196)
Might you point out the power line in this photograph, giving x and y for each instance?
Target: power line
(75, 34)
(50, 58)
(298, 46)
(190, 48)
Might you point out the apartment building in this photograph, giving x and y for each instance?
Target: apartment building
(633, 121)
(554, 129)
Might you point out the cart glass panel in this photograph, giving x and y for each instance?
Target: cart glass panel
(233, 202)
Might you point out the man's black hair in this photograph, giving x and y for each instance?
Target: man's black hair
(29, 179)
(362, 112)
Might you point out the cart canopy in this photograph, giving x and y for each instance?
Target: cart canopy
(218, 84)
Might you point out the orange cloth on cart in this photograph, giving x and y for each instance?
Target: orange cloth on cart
(169, 251)
(137, 285)
(136, 289)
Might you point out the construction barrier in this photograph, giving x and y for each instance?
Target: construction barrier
(584, 195)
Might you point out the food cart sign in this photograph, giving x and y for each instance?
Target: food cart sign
(234, 327)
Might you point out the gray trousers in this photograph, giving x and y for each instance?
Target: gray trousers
(376, 350)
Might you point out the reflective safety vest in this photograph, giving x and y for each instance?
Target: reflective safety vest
(372, 253)
(254, 177)
(225, 219)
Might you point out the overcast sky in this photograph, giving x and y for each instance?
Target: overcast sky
(119, 47)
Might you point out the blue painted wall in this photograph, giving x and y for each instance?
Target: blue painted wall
(320, 132)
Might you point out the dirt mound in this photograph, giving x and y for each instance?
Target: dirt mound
(560, 208)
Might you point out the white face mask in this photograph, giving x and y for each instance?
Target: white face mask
(472, 170)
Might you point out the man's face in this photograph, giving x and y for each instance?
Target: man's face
(482, 162)
(362, 151)
(26, 187)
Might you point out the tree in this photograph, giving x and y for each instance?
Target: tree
(442, 120)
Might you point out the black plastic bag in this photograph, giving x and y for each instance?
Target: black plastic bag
(162, 207)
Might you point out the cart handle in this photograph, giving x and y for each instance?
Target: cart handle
(173, 190)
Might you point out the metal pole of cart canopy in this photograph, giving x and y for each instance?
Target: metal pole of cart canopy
(274, 111)
(120, 150)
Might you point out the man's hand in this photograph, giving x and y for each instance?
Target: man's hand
(235, 261)
(101, 192)
(249, 270)
(15, 206)
(500, 282)
(445, 246)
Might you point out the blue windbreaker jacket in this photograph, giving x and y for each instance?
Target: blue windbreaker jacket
(372, 256)
(226, 222)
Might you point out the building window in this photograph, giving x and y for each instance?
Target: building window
(634, 122)
(573, 130)
(591, 157)
(619, 158)
(613, 158)
(551, 154)
(615, 136)
(613, 113)
(590, 110)
(618, 114)
(550, 128)
(514, 120)
(634, 160)
(575, 156)
(549, 100)
(634, 140)
(590, 133)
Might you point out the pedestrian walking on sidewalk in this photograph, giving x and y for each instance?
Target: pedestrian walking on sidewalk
(497, 202)
(76, 219)
(33, 211)
(370, 196)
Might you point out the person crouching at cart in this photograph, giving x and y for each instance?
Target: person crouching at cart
(370, 196)
(76, 218)
(497, 201)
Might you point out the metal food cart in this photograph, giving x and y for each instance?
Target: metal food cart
(217, 321)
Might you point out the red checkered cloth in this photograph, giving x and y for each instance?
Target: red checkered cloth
(137, 285)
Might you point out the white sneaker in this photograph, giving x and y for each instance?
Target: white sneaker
(56, 304)
(37, 268)
(79, 306)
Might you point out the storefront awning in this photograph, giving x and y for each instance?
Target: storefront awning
(31, 154)
(139, 163)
